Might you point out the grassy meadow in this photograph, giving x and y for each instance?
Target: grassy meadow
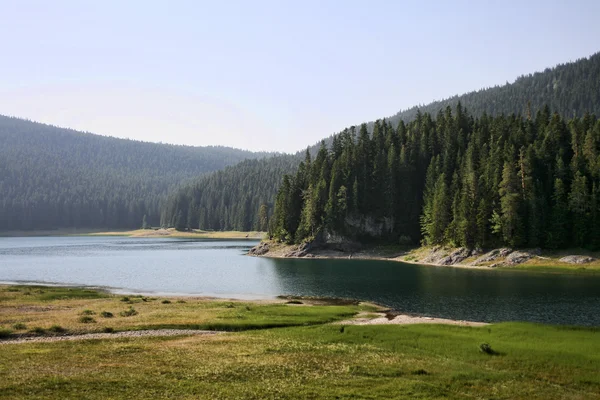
(282, 351)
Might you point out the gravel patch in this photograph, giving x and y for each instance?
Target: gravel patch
(115, 335)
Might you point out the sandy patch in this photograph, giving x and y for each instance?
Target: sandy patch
(405, 319)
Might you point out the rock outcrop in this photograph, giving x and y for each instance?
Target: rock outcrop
(435, 255)
(261, 249)
(455, 257)
(493, 255)
(300, 251)
(577, 259)
(517, 257)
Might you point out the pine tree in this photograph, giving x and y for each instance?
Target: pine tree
(436, 222)
(510, 204)
(579, 205)
(263, 218)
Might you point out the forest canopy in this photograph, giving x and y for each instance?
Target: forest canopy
(451, 179)
(59, 178)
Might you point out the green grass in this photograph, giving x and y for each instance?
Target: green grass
(50, 293)
(416, 361)
(244, 317)
(558, 269)
(283, 351)
(77, 315)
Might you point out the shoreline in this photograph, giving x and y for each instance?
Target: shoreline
(61, 343)
(132, 292)
(138, 233)
(378, 314)
(173, 233)
(531, 261)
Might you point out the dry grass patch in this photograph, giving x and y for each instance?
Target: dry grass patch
(84, 313)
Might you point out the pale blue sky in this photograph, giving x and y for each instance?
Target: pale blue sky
(268, 75)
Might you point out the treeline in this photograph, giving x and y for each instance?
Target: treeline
(237, 198)
(453, 179)
(571, 90)
(59, 178)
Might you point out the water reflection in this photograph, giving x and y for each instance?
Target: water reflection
(219, 268)
(448, 292)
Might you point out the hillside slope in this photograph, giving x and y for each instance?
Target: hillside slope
(55, 178)
(230, 199)
(571, 89)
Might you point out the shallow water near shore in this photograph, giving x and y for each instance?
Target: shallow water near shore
(219, 268)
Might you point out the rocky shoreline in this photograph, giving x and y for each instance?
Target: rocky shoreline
(437, 255)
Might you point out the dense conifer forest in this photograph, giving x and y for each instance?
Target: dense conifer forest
(571, 89)
(237, 198)
(53, 178)
(451, 179)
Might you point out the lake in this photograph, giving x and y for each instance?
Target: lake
(220, 268)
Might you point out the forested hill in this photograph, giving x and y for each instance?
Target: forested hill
(237, 198)
(453, 179)
(52, 177)
(570, 89)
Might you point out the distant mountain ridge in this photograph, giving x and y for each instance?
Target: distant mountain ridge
(54, 177)
(570, 89)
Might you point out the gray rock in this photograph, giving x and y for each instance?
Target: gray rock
(301, 251)
(517, 257)
(504, 252)
(435, 256)
(493, 255)
(455, 257)
(261, 249)
(577, 259)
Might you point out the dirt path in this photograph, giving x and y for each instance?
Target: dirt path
(116, 335)
(403, 319)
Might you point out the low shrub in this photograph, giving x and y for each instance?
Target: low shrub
(294, 302)
(86, 319)
(19, 326)
(487, 349)
(38, 331)
(88, 312)
(125, 299)
(106, 314)
(181, 301)
(57, 329)
(166, 301)
(5, 333)
(108, 329)
(128, 313)
(420, 371)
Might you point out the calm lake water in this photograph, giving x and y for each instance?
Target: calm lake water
(219, 268)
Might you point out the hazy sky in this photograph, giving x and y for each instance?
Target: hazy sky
(268, 75)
